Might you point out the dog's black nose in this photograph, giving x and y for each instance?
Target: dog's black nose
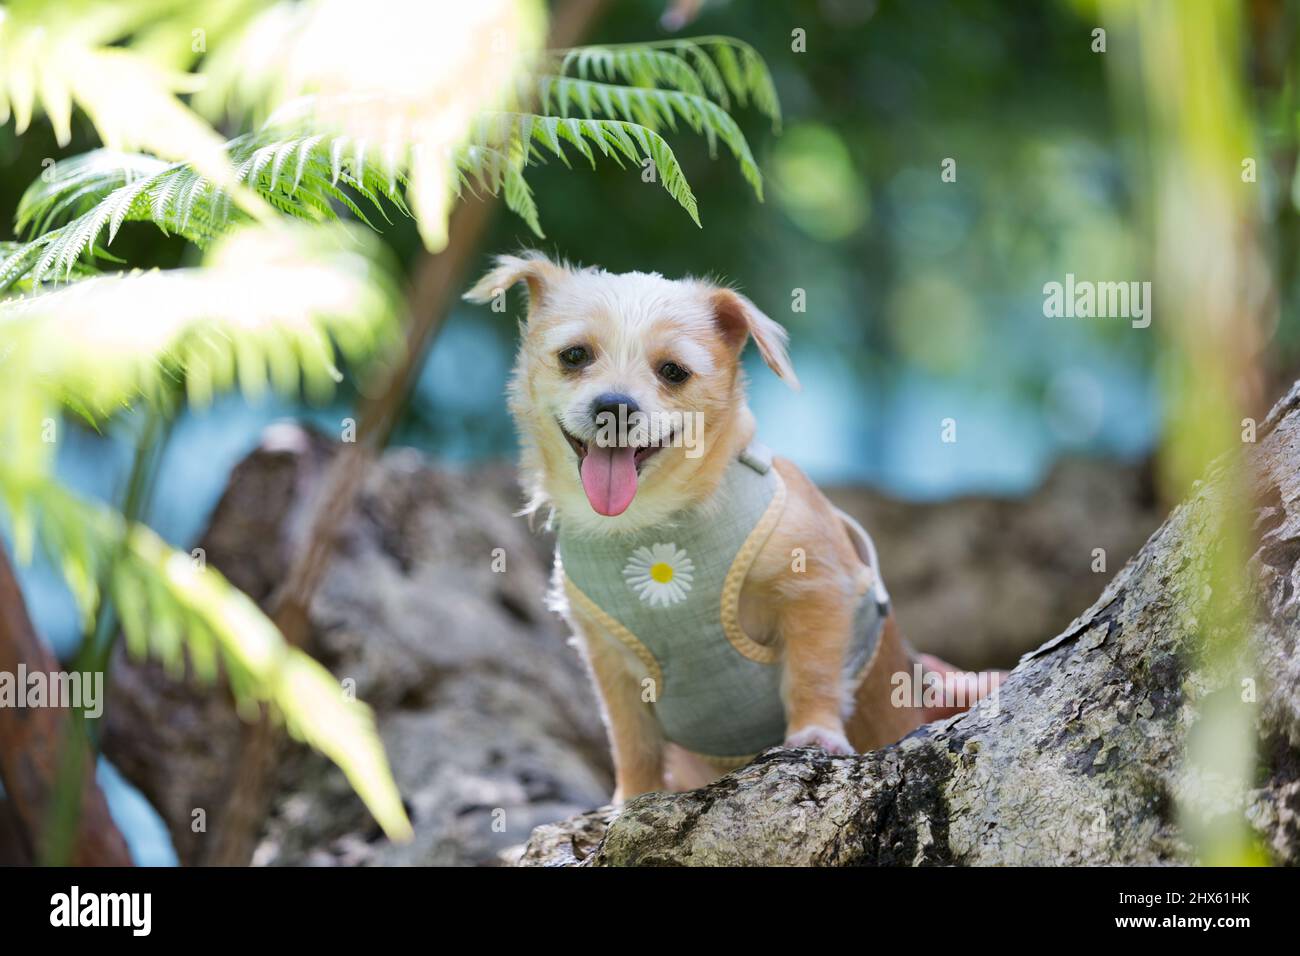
(610, 402)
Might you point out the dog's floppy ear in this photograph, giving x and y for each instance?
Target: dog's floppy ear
(531, 267)
(738, 318)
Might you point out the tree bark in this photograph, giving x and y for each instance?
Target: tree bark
(32, 740)
(488, 721)
(1079, 760)
(479, 701)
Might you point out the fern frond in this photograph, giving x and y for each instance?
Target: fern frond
(408, 93)
(270, 308)
(619, 99)
(79, 206)
(720, 67)
(58, 61)
(519, 195)
(307, 174)
(17, 259)
(84, 200)
(68, 187)
(638, 64)
(180, 611)
(616, 139)
(653, 109)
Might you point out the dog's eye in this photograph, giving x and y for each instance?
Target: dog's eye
(575, 357)
(673, 373)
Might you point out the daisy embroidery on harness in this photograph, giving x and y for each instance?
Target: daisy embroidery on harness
(660, 574)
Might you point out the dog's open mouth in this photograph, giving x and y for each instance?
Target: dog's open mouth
(609, 473)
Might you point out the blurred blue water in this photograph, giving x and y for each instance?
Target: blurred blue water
(848, 425)
(145, 832)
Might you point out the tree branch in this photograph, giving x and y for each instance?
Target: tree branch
(32, 746)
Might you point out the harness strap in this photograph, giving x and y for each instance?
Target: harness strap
(867, 548)
(758, 457)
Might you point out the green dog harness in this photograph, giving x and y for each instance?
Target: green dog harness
(671, 594)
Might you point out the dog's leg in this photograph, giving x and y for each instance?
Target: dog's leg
(635, 738)
(816, 633)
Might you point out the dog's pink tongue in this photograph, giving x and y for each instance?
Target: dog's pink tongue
(609, 478)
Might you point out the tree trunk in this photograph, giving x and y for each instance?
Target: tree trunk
(1079, 760)
(32, 740)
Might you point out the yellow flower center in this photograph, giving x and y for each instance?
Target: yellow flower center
(661, 572)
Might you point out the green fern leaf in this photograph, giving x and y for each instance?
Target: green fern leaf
(519, 196)
(652, 109)
(179, 613)
(616, 100)
(638, 64)
(92, 196)
(632, 140)
(718, 67)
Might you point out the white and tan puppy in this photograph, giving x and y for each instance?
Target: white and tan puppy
(597, 348)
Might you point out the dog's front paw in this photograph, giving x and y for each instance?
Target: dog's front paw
(831, 741)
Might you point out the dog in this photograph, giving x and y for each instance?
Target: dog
(722, 604)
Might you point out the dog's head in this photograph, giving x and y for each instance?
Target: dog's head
(627, 389)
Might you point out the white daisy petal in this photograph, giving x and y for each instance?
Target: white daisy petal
(661, 574)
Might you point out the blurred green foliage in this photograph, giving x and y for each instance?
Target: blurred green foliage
(913, 285)
(923, 296)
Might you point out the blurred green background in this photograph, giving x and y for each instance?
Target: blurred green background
(923, 297)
